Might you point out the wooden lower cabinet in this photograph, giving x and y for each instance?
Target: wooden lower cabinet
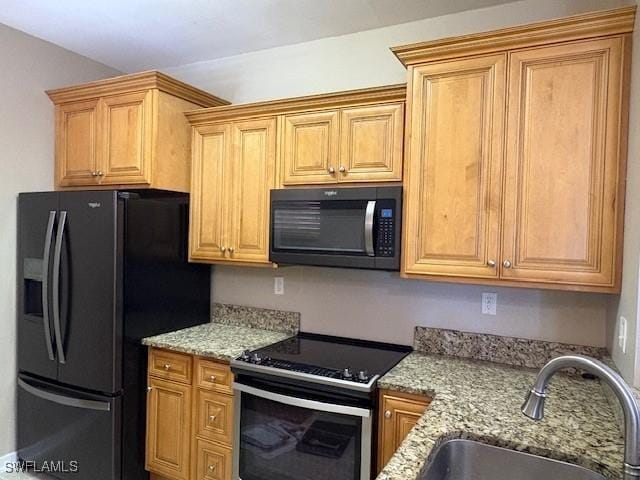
(398, 414)
(189, 417)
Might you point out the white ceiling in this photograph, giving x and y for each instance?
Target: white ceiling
(133, 35)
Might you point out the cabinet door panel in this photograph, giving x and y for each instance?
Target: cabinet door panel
(310, 148)
(452, 189)
(76, 143)
(168, 428)
(126, 138)
(371, 143)
(562, 163)
(210, 190)
(398, 415)
(253, 173)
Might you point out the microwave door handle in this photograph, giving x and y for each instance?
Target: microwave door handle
(368, 227)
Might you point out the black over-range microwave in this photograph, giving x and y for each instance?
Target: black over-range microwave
(355, 227)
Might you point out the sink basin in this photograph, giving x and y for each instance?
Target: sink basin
(470, 460)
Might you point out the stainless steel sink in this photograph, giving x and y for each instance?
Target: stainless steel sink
(470, 460)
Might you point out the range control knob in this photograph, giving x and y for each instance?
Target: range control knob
(246, 356)
(363, 376)
(347, 374)
(257, 359)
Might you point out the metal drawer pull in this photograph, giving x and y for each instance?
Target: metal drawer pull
(491, 263)
(212, 468)
(387, 414)
(212, 378)
(212, 418)
(167, 366)
(506, 264)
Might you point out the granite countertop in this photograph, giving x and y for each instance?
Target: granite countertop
(481, 401)
(216, 340)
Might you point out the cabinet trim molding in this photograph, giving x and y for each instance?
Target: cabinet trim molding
(577, 27)
(138, 81)
(350, 98)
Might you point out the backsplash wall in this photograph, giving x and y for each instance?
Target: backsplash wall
(381, 306)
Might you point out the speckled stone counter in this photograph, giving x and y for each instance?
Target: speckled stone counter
(215, 340)
(481, 400)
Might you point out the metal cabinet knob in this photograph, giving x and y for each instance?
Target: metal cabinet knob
(94, 174)
(342, 169)
(167, 366)
(212, 418)
(387, 414)
(331, 170)
(99, 174)
(212, 468)
(212, 378)
(149, 389)
(506, 264)
(491, 263)
(231, 249)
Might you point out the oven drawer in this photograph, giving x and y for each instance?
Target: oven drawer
(214, 416)
(170, 365)
(213, 375)
(213, 461)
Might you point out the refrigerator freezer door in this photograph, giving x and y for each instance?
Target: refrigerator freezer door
(89, 318)
(37, 214)
(74, 433)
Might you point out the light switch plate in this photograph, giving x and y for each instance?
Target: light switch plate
(489, 303)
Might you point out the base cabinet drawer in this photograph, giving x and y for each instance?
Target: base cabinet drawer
(170, 365)
(213, 461)
(214, 416)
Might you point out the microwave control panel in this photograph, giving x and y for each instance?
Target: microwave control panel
(385, 244)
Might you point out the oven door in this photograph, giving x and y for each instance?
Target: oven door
(280, 437)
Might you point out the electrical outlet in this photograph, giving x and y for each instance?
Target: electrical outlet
(622, 334)
(278, 285)
(489, 303)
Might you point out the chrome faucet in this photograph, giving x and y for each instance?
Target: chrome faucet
(533, 406)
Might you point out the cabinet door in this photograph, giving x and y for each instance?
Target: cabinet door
(562, 166)
(310, 150)
(126, 138)
(371, 143)
(453, 176)
(76, 143)
(213, 461)
(210, 192)
(253, 176)
(168, 428)
(398, 415)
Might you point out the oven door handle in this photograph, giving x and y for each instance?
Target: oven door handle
(303, 402)
(368, 227)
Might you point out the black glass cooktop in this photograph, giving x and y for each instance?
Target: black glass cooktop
(329, 357)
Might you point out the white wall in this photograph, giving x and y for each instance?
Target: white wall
(375, 304)
(29, 67)
(627, 304)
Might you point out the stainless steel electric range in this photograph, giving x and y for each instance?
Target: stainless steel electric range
(305, 408)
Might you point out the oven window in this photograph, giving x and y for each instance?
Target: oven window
(320, 226)
(283, 442)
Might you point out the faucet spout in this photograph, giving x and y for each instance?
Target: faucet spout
(533, 406)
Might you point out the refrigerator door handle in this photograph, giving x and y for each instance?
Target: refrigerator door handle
(45, 283)
(64, 400)
(56, 286)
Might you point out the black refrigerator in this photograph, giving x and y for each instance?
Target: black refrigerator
(97, 272)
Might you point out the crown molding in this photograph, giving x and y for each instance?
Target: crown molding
(362, 97)
(577, 27)
(134, 82)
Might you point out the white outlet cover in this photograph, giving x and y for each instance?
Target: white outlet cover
(622, 334)
(278, 285)
(489, 303)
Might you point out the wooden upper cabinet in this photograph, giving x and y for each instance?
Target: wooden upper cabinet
(168, 428)
(127, 130)
(453, 181)
(371, 140)
(126, 141)
(76, 143)
(563, 173)
(234, 170)
(545, 211)
(210, 192)
(253, 177)
(310, 148)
